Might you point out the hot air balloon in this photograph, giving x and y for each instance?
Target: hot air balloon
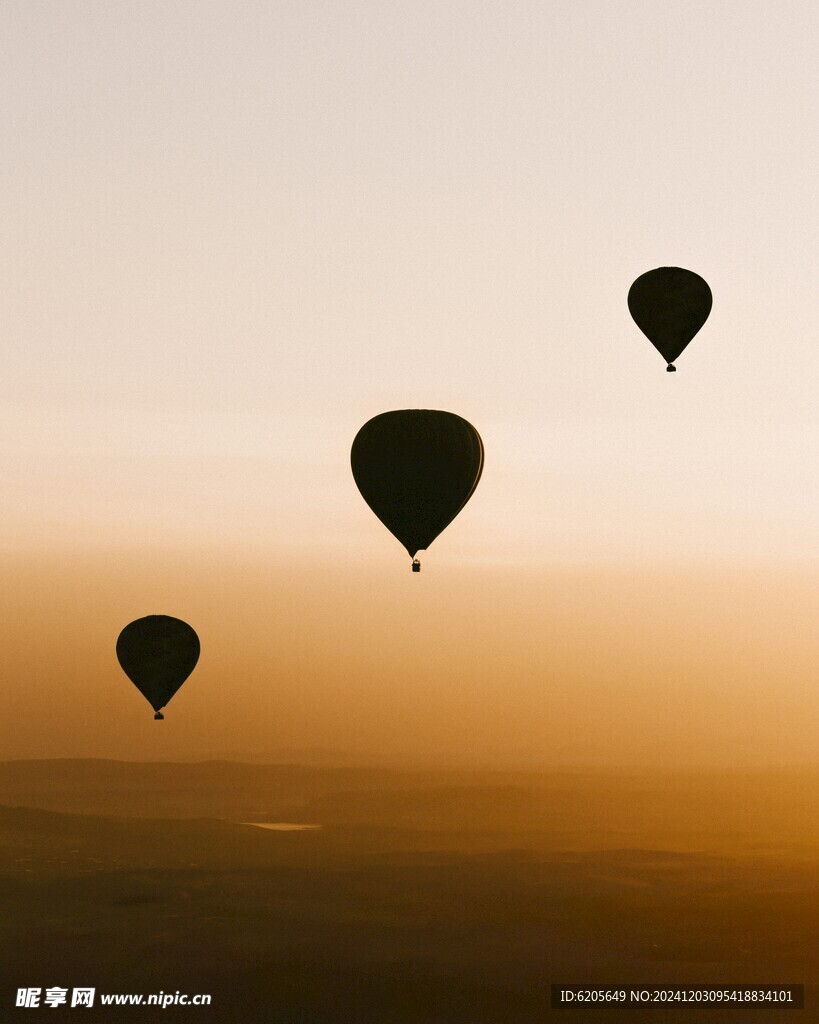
(416, 469)
(158, 653)
(669, 305)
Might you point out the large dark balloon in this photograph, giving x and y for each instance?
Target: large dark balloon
(158, 653)
(669, 305)
(416, 469)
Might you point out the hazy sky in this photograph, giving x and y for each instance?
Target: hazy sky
(232, 232)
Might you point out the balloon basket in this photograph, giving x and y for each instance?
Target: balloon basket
(159, 717)
(416, 565)
(670, 369)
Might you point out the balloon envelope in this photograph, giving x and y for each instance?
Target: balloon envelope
(669, 305)
(416, 469)
(158, 653)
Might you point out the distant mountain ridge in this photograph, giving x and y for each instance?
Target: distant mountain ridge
(614, 806)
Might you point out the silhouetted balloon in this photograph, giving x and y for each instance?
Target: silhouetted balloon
(669, 305)
(416, 469)
(158, 653)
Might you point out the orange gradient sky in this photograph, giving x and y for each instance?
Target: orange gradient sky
(233, 232)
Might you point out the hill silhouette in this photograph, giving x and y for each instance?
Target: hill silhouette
(393, 911)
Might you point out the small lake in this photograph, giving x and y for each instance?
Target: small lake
(282, 826)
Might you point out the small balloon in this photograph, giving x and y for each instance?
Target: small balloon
(669, 305)
(416, 469)
(158, 653)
